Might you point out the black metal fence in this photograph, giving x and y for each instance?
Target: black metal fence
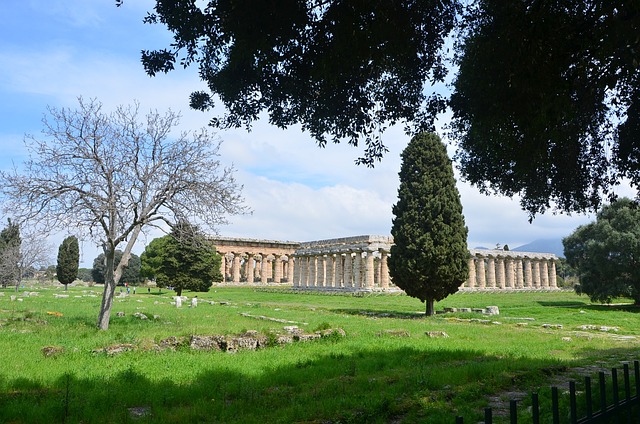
(612, 404)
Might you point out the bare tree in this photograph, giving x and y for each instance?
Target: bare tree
(35, 252)
(114, 175)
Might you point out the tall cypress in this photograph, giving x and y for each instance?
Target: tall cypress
(429, 259)
(68, 261)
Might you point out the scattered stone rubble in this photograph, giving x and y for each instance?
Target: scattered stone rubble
(249, 340)
(489, 310)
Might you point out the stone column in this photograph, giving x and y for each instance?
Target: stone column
(519, 274)
(277, 278)
(509, 283)
(331, 271)
(223, 266)
(288, 269)
(264, 263)
(357, 270)
(491, 272)
(544, 274)
(304, 271)
(235, 268)
(471, 282)
(384, 270)
(500, 273)
(313, 271)
(552, 274)
(250, 268)
(320, 269)
(369, 270)
(293, 261)
(481, 280)
(348, 264)
(536, 274)
(339, 279)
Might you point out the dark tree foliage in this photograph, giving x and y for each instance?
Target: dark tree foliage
(547, 98)
(68, 261)
(606, 253)
(84, 274)
(546, 102)
(184, 263)
(343, 70)
(429, 259)
(130, 273)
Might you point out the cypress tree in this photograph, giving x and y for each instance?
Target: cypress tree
(429, 259)
(68, 261)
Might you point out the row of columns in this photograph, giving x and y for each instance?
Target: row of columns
(352, 269)
(511, 273)
(252, 267)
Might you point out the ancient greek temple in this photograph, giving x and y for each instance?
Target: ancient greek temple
(360, 264)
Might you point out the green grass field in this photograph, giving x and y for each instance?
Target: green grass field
(386, 369)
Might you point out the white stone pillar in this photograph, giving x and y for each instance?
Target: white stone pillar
(313, 271)
(264, 263)
(552, 274)
(348, 270)
(369, 271)
(510, 274)
(544, 274)
(294, 277)
(331, 271)
(536, 274)
(384, 270)
(277, 278)
(236, 268)
(320, 274)
(519, 274)
(500, 273)
(250, 268)
(339, 280)
(528, 273)
(481, 280)
(491, 272)
(471, 282)
(304, 271)
(223, 266)
(357, 270)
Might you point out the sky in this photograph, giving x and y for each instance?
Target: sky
(52, 51)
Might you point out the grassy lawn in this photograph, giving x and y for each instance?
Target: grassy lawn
(386, 369)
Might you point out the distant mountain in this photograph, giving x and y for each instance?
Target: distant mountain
(543, 246)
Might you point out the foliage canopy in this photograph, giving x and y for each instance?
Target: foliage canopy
(184, 264)
(546, 102)
(130, 273)
(606, 253)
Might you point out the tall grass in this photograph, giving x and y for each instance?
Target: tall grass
(385, 370)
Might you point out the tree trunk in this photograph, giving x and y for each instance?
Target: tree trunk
(109, 290)
(431, 309)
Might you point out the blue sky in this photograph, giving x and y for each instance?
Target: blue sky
(52, 51)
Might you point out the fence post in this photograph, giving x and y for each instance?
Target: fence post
(554, 405)
(488, 418)
(513, 410)
(603, 392)
(614, 384)
(627, 391)
(459, 420)
(636, 372)
(587, 392)
(535, 409)
(573, 409)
